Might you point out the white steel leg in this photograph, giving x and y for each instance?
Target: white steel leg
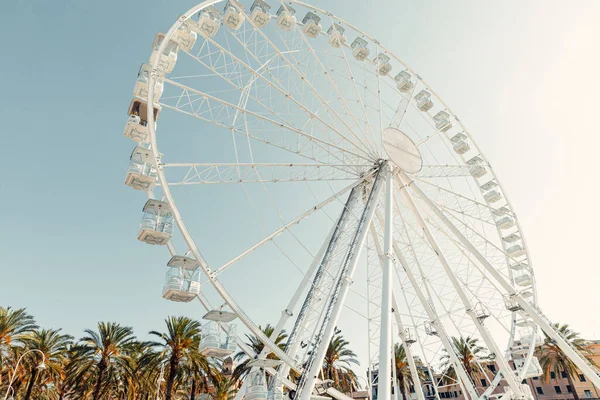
(505, 368)
(534, 313)
(307, 382)
(385, 331)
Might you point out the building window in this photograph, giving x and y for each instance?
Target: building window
(557, 389)
(552, 375)
(588, 394)
(563, 374)
(492, 367)
(535, 378)
(581, 377)
(539, 390)
(483, 383)
(569, 389)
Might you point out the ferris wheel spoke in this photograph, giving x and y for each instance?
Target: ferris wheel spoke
(283, 55)
(333, 85)
(217, 173)
(443, 171)
(252, 73)
(221, 113)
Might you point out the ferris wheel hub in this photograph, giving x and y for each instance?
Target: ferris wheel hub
(401, 150)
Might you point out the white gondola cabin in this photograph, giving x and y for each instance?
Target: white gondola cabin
(505, 223)
(492, 196)
(141, 84)
(404, 82)
(136, 127)
(477, 170)
(359, 49)
(209, 21)
(511, 303)
(181, 283)
(409, 336)
(336, 35)
(535, 369)
(523, 279)
(157, 223)
(461, 147)
(524, 322)
(481, 311)
(215, 341)
(515, 251)
(233, 16)
(312, 28)
(501, 212)
(285, 18)
(442, 121)
(423, 99)
(382, 64)
(259, 13)
(141, 174)
(185, 37)
(168, 58)
(458, 138)
(519, 266)
(513, 237)
(489, 185)
(430, 328)
(257, 380)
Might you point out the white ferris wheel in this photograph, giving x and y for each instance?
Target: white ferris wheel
(302, 172)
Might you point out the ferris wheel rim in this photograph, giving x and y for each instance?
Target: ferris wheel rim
(152, 131)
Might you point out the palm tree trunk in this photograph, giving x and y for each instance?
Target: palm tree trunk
(101, 369)
(171, 379)
(402, 387)
(573, 389)
(31, 384)
(193, 394)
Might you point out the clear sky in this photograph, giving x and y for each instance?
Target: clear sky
(522, 76)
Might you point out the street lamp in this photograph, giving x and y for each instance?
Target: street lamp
(41, 367)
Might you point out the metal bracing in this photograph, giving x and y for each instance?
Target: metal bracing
(336, 301)
(582, 363)
(505, 368)
(213, 173)
(310, 312)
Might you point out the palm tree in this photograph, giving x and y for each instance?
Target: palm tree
(13, 324)
(102, 356)
(257, 346)
(54, 346)
(553, 359)
(403, 373)
(178, 348)
(337, 364)
(224, 387)
(468, 352)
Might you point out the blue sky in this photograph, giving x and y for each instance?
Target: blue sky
(521, 75)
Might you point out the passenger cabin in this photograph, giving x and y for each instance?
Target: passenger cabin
(285, 18)
(501, 212)
(168, 58)
(136, 127)
(181, 284)
(259, 13)
(312, 28)
(511, 303)
(382, 64)
(535, 369)
(461, 147)
(409, 336)
(492, 196)
(141, 174)
(513, 237)
(157, 223)
(458, 138)
(404, 82)
(477, 171)
(423, 99)
(430, 328)
(488, 185)
(523, 279)
(257, 380)
(275, 393)
(141, 84)
(359, 49)
(481, 311)
(209, 21)
(505, 222)
(442, 121)
(519, 266)
(336, 35)
(515, 251)
(524, 322)
(233, 15)
(215, 340)
(185, 37)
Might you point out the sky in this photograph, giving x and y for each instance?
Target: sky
(522, 76)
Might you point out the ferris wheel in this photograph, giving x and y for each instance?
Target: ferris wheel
(301, 169)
